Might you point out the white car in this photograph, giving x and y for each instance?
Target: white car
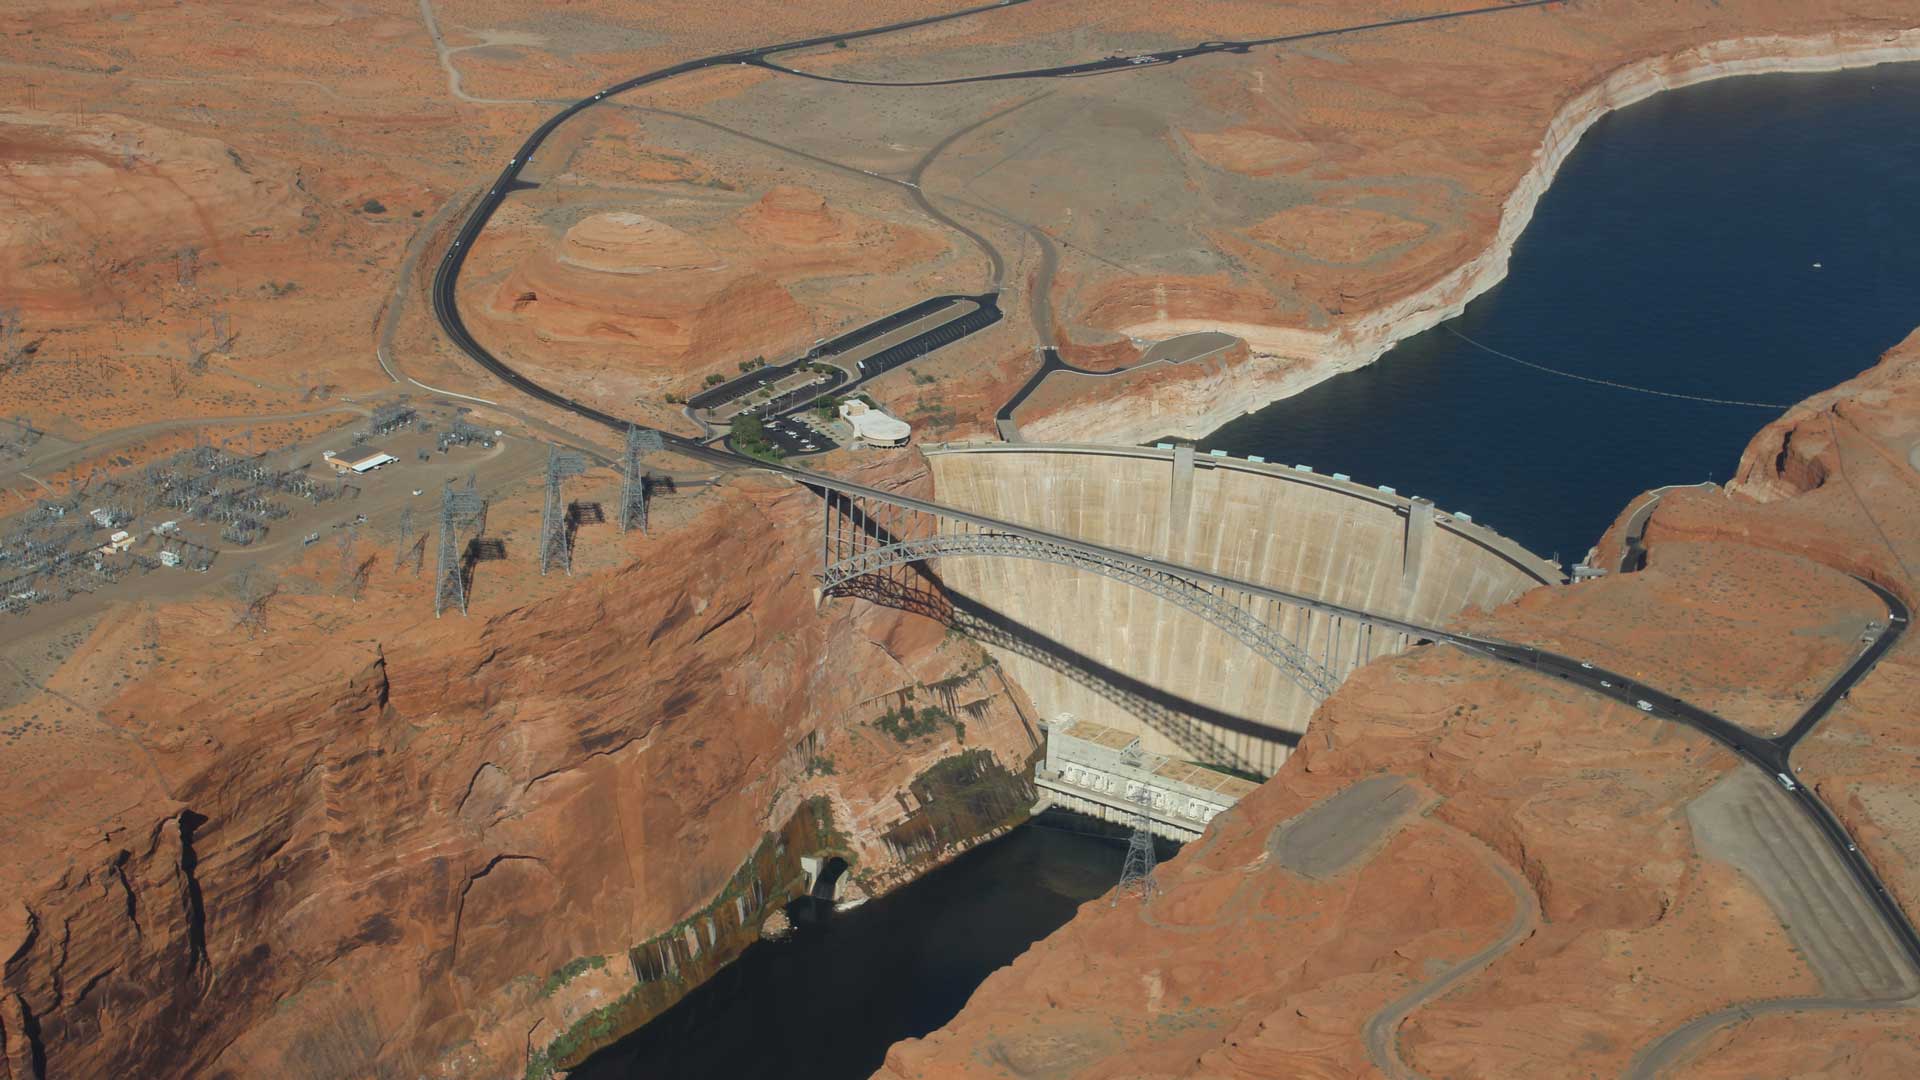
(1586, 665)
(1643, 705)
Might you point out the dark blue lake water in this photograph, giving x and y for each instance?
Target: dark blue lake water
(1675, 251)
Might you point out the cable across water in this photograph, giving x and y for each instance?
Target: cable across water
(1608, 382)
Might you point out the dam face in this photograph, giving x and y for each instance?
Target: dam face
(1192, 691)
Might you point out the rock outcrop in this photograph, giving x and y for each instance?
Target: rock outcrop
(645, 308)
(368, 844)
(795, 217)
(88, 203)
(1550, 891)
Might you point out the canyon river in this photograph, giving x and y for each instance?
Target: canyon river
(1755, 238)
(828, 1002)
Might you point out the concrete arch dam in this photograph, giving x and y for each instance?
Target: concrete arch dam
(1207, 696)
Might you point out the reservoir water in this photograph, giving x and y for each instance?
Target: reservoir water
(1676, 250)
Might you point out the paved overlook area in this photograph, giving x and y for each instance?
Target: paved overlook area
(276, 818)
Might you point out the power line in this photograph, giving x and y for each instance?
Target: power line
(1840, 466)
(1608, 382)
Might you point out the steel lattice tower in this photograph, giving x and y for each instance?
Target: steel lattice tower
(1136, 874)
(405, 533)
(633, 479)
(457, 508)
(553, 522)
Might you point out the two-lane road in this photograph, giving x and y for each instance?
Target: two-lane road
(1770, 755)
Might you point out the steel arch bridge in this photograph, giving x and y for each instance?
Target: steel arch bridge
(867, 533)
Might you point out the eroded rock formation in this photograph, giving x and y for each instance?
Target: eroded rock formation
(358, 847)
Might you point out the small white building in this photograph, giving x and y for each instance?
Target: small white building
(365, 463)
(874, 427)
(119, 541)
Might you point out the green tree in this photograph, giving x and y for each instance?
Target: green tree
(750, 438)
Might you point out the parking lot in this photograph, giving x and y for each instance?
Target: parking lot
(798, 435)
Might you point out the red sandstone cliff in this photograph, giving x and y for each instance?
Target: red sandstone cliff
(360, 844)
(1547, 900)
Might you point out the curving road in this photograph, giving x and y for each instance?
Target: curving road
(1382, 1031)
(1770, 755)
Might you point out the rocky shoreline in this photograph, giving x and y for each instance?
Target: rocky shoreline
(1284, 361)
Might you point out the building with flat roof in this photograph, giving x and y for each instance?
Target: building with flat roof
(874, 427)
(363, 462)
(1104, 773)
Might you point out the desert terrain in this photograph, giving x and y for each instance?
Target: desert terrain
(278, 818)
(1465, 870)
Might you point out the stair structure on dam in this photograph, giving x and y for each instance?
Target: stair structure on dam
(1203, 603)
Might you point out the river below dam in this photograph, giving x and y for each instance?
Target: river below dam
(828, 1002)
(1755, 238)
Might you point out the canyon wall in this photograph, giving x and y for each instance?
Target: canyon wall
(370, 843)
(1200, 693)
(1473, 869)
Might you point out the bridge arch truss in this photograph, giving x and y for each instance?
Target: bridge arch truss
(864, 538)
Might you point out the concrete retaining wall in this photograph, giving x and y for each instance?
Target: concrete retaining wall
(1291, 529)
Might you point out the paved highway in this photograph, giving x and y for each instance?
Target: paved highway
(1770, 755)
(1131, 63)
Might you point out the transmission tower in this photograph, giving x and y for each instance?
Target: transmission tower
(253, 601)
(457, 509)
(9, 336)
(633, 479)
(347, 537)
(406, 533)
(1136, 874)
(554, 547)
